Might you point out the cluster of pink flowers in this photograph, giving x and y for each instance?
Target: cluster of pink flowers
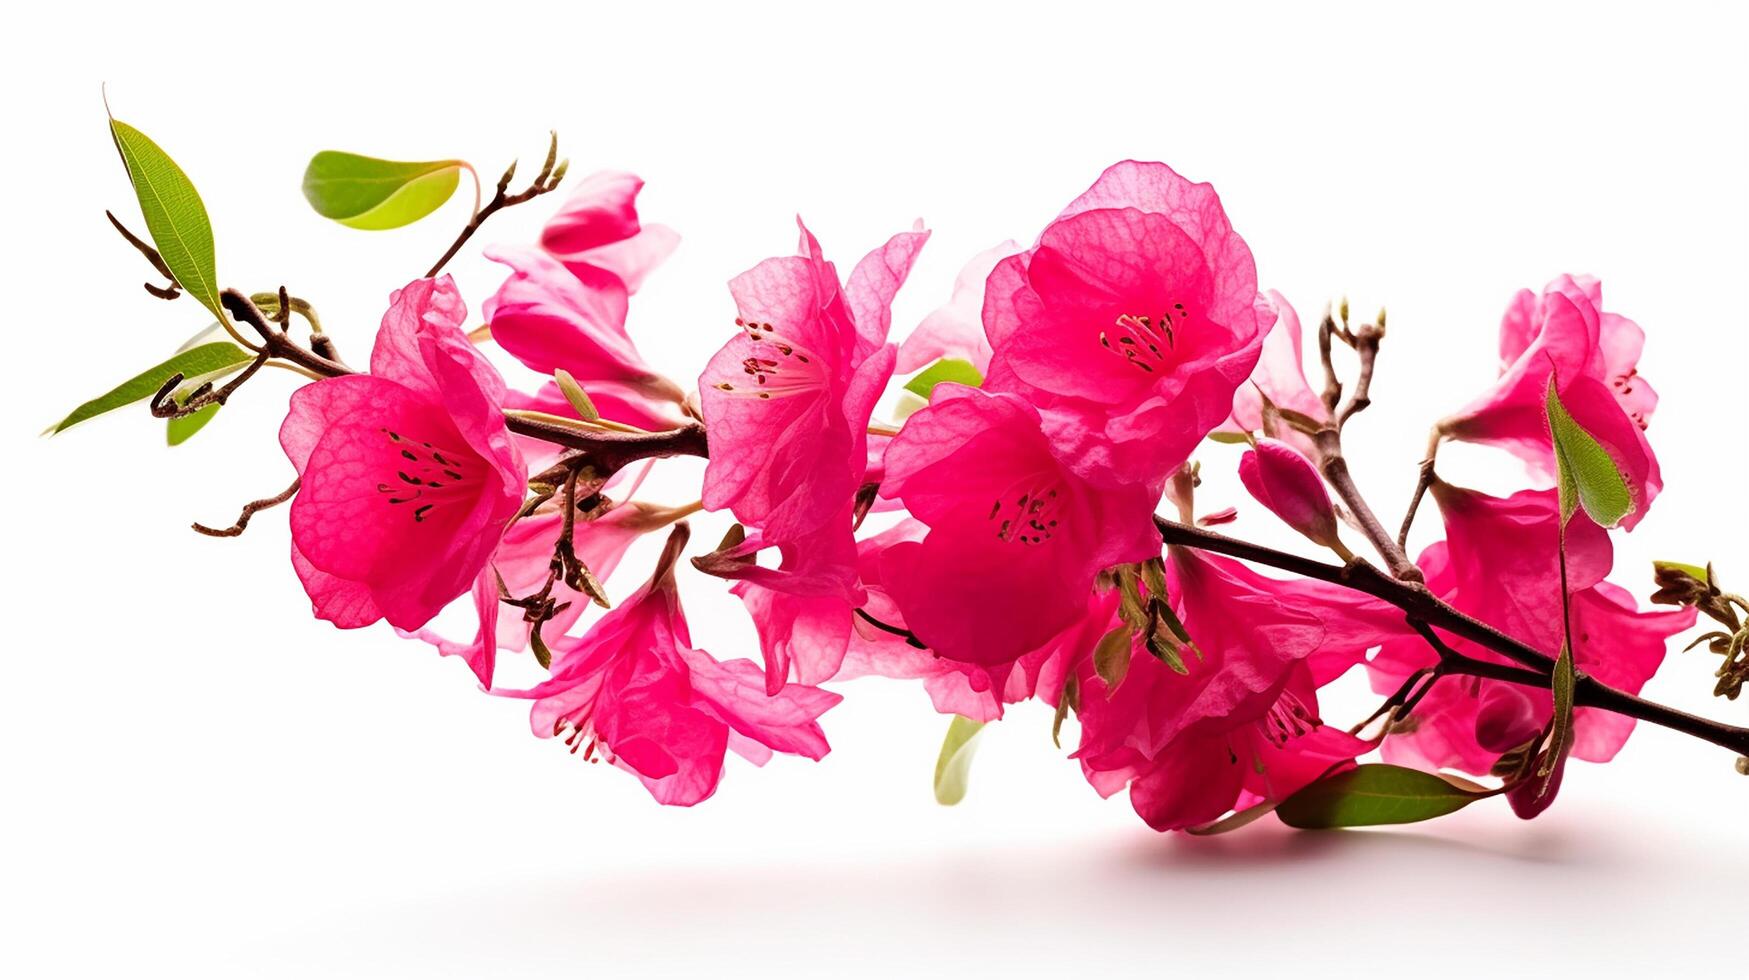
(999, 543)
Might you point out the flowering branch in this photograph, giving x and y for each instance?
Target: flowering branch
(607, 450)
(1028, 563)
(1423, 607)
(250, 509)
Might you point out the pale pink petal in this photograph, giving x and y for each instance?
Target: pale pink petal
(876, 280)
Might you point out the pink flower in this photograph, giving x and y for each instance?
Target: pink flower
(956, 329)
(878, 649)
(787, 400)
(522, 562)
(564, 305)
(634, 690)
(598, 231)
(1242, 726)
(1280, 377)
(1593, 356)
(548, 319)
(409, 475)
(802, 609)
(1499, 564)
(1015, 536)
(1136, 315)
(1285, 482)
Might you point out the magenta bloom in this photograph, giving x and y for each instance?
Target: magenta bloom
(955, 687)
(635, 691)
(548, 319)
(409, 475)
(1285, 482)
(1593, 355)
(1243, 725)
(1499, 565)
(1137, 313)
(802, 609)
(521, 562)
(1015, 536)
(598, 231)
(787, 400)
(564, 305)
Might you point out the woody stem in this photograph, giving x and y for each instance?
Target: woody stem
(609, 451)
(1335, 470)
(1419, 604)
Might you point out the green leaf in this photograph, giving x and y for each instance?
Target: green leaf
(174, 214)
(191, 363)
(954, 764)
(1375, 794)
(1561, 723)
(955, 369)
(177, 430)
(371, 194)
(1588, 477)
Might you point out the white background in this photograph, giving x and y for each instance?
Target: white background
(200, 780)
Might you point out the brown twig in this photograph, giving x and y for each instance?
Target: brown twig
(169, 291)
(1331, 463)
(552, 171)
(249, 511)
(1332, 393)
(1423, 606)
(163, 405)
(909, 637)
(1365, 342)
(1328, 438)
(1422, 484)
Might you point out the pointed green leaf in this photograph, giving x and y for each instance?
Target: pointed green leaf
(1588, 477)
(174, 214)
(1561, 723)
(1376, 794)
(953, 369)
(194, 362)
(954, 764)
(178, 430)
(371, 194)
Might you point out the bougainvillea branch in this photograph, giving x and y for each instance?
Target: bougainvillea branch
(1421, 607)
(993, 534)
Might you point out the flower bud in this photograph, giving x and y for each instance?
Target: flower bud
(1287, 483)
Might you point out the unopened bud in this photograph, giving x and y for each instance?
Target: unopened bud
(1287, 483)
